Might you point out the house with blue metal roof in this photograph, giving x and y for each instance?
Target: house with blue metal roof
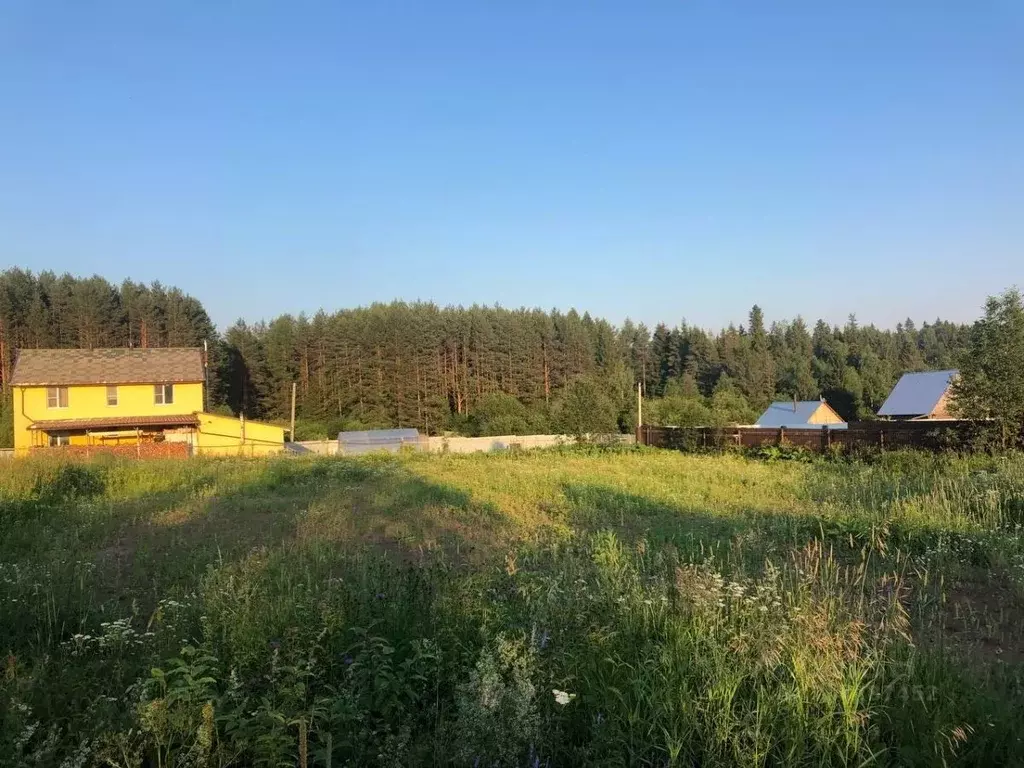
(923, 396)
(800, 414)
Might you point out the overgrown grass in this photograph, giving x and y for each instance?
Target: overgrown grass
(569, 607)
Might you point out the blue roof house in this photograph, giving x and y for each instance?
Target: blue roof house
(921, 396)
(800, 414)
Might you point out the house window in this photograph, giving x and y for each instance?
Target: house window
(59, 438)
(111, 395)
(56, 397)
(163, 394)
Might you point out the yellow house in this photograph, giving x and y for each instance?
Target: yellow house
(149, 401)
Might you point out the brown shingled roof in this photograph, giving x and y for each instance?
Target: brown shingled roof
(63, 367)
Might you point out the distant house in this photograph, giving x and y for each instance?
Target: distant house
(921, 396)
(800, 414)
(113, 397)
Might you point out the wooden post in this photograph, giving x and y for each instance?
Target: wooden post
(639, 405)
(206, 377)
(782, 435)
(138, 443)
(291, 433)
(241, 427)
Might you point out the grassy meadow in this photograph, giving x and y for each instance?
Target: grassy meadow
(569, 607)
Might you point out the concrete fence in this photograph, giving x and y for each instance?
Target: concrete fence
(517, 442)
(313, 447)
(457, 444)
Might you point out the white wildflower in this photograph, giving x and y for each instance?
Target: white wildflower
(561, 697)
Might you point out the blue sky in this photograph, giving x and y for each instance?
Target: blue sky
(657, 160)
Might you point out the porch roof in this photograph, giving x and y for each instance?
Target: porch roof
(118, 422)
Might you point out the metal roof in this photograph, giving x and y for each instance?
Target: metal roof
(118, 422)
(917, 394)
(796, 415)
(64, 367)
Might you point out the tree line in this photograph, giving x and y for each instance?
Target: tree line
(479, 370)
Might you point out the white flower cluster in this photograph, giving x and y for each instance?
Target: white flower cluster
(562, 697)
(112, 635)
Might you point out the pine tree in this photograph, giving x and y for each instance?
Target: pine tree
(990, 385)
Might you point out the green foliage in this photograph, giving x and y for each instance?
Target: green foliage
(501, 414)
(681, 407)
(728, 406)
(47, 310)
(497, 715)
(585, 408)
(6, 420)
(327, 429)
(420, 365)
(679, 411)
(577, 607)
(990, 385)
(63, 482)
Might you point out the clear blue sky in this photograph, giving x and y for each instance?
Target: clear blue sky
(657, 160)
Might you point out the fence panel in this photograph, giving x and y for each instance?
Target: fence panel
(864, 434)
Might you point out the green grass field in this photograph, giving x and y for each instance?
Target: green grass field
(573, 607)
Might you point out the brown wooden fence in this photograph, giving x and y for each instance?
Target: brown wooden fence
(933, 435)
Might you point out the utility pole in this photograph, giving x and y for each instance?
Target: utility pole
(639, 410)
(291, 434)
(206, 376)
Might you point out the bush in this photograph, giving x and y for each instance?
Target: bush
(498, 413)
(584, 408)
(6, 421)
(62, 483)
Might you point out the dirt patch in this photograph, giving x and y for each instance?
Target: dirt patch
(985, 617)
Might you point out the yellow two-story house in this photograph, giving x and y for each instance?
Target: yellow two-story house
(116, 397)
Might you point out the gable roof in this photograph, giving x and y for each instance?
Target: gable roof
(63, 367)
(793, 414)
(917, 394)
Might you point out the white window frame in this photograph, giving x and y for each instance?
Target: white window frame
(112, 389)
(58, 439)
(59, 394)
(161, 392)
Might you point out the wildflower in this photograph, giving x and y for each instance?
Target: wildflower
(544, 637)
(347, 659)
(380, 595)
(562, 697)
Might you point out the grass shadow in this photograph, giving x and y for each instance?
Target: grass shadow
(973, 609)
(87, 559)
